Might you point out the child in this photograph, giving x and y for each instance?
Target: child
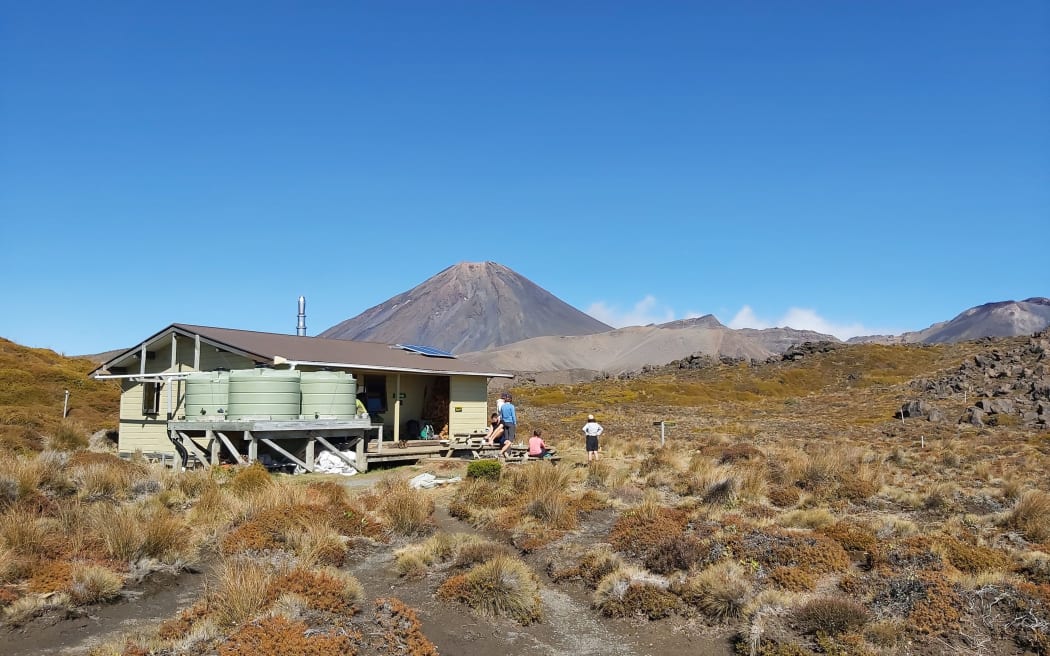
(537, 448)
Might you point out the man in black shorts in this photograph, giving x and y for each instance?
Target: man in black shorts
(592, 429)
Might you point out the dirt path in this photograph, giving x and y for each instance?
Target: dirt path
(569, 625)
(76, 632)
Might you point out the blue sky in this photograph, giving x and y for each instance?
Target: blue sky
(855, 167)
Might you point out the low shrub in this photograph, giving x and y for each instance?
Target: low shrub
(329, 590)
(400, 631)
(591, 568)
(973, 559)
(630, 592)
(485, 469)
(831, 615)
(679, 552)
(638, 530)
(277, 636)
(794, 579)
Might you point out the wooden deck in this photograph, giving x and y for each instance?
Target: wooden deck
(211, 443)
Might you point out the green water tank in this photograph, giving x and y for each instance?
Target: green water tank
(207, 394)
(263, 394)
(328, 395)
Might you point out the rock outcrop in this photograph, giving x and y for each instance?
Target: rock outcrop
(1009, 385)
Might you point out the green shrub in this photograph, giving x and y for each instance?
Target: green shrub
(484, 469)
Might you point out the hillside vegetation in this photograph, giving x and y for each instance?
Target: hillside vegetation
(33, 383)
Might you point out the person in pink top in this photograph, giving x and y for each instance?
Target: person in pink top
(537, 448)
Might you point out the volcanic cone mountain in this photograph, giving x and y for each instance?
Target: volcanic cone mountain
(470, 306)
(999, 319)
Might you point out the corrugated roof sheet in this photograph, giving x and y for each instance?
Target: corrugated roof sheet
(336, 352)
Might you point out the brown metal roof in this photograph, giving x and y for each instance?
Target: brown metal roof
(265, 347)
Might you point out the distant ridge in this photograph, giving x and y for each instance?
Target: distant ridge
(470, 306)
(999, 319)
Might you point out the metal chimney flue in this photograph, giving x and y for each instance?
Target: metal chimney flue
(300, 329)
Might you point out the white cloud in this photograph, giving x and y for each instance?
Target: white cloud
(801, 319)
(646, 311)
(746, 318)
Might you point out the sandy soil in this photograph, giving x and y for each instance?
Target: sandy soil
(156, 599)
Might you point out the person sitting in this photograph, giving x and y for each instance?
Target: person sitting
(362, 411)
(537, 447)
(496, 431)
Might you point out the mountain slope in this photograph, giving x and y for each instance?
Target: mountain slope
(630, 349)
(999, 319)
(33, 383)
(470, 306)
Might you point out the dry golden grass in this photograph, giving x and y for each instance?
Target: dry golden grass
(1031, 515)
(121, 530)
(406, 511)
(240, 590)
(720, 591)
(93, 583)
(501, 587)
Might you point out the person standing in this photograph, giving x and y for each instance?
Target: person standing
(508, 413)
(591, 430)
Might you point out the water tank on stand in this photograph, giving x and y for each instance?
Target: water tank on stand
(328, 395)
(264, 394)
(207, 395)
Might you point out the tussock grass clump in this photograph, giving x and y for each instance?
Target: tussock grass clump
(251, 479)
(556, 511)
(27, 534)
(406, 511)
(121, 529)
(812, 518)
(831, 615)
(92, 584)
(412, 561)
(598, 473)
(720, 591)
(241, 590)
(501, 587)
(629, 591)
(165, 535)
(663, 458)
(317, 543)
(1031, 515)
(68, 436)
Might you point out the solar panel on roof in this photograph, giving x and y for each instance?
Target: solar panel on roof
(426, 350)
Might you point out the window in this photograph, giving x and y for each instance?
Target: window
(375, 394)
(150, 398)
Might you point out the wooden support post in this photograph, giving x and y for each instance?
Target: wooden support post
(362, 462)
(192, 448)
(278, 449)
(397, 409)
(310, 446)
(213, 445)
(230, 447)
(253, 447)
